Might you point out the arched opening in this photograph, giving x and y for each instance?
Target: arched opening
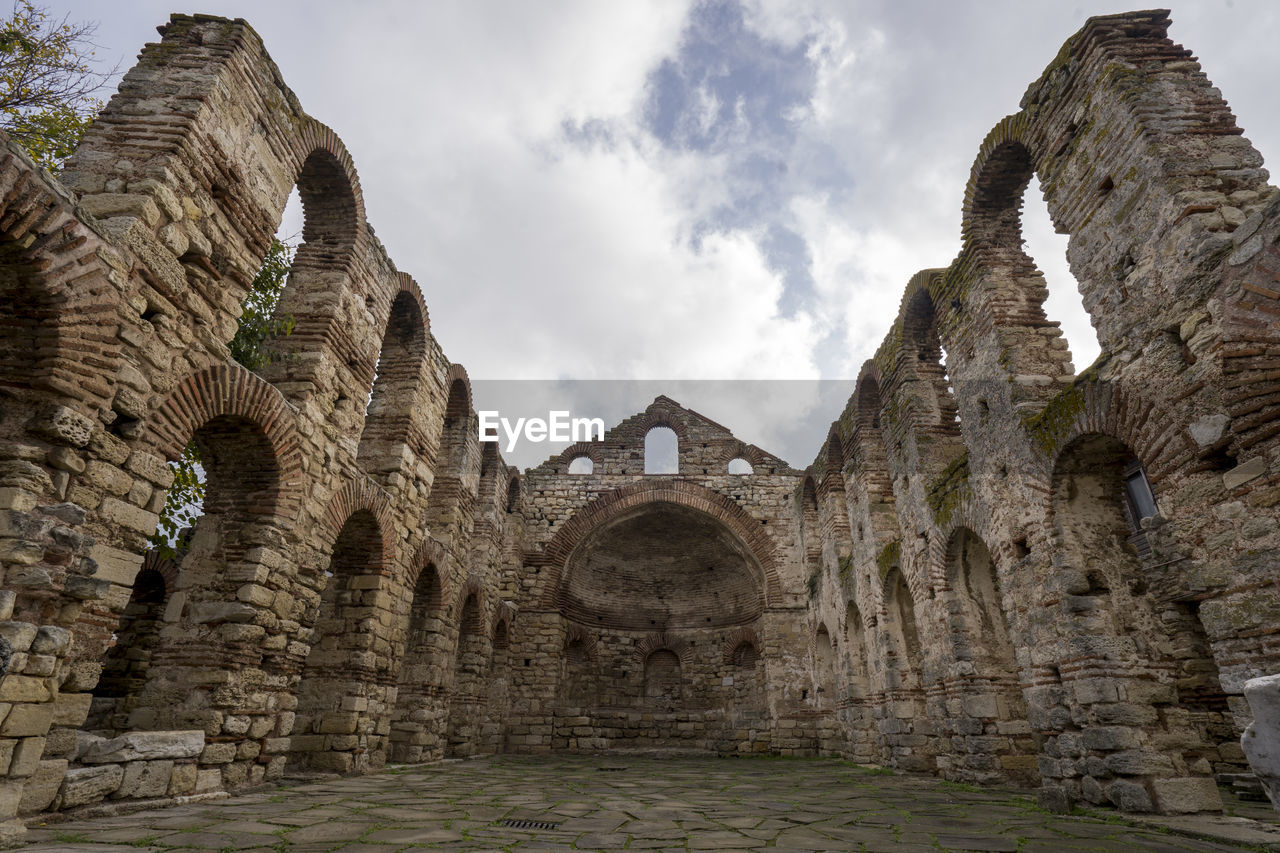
(825, 692)
(340, 668)
(661, 451)
(745, 656)
(28, 325)
(444, 503)
(468, 705)
(745, 675)
(1011, 222)
(1047, 247)
(928, 387)
(855, 647)
(577, 678)
(981, 642)
(236, 520)
(331, 217)
(395, 389)
(811, 533)
(903, 636)
(124, 668)
(414, 736)
(1125, 613)
(582, 465)
(513, 494)
(740, 466)
(663, 686)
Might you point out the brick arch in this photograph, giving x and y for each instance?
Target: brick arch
(472, 585)
(807, 494)
(511, 495)
(332, 200)
(53, 257)
(231, 390)
(915, 580)
(660, 642)
(1004, 166)
(818, 628)
(575, 633)
(750, 531)
(833, 457)
(743, 636)
(429, 553)
(589, 449)
(165, 567)
(407, 285)
(505, 615)
(397, 391)
(355, 496)
(1154, 431)
(741, 450)
(658, 415)
(457, 407)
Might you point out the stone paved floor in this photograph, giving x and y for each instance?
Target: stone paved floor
(615, 803)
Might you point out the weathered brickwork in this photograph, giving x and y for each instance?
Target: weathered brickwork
(996, 568)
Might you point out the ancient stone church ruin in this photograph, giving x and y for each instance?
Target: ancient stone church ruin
(995, 569)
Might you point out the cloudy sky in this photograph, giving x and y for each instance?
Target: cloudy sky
(733, 189)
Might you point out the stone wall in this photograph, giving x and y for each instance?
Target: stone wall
(996, 568)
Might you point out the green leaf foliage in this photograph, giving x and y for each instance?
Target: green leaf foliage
(258, 324)
(47, 82)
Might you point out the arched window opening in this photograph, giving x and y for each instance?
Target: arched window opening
(931, 391)
(662, 683)
(513, 494)
(222, 509)
(900, 620)
(338, 666)
(501, 636)
(470, 623)
(421, 673)
(855, 646)
(324, 205)
(124, 669)
(28, 326)
(1139, 504)
(1064, 303)
(824, 669)
(745, 656)
(576, 686)
(582, 465)
(395, 385)
(1099, 493)
(661, 451)
(738, 465)
(424, 612)
(467, 707)
(456, 407)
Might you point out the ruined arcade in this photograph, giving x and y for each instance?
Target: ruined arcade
(997, 568)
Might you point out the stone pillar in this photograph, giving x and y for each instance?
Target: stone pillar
(1261, 741)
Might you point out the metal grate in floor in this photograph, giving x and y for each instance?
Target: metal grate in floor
(530, 824)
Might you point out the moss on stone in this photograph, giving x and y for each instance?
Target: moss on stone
(889, 557)
(948, 490)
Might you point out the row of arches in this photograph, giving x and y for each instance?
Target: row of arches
(1004, 645)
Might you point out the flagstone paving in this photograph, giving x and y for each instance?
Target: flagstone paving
(618, 803)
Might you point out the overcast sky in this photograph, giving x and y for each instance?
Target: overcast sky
(666, 190)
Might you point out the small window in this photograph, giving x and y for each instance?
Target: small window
(1139, 503)
(740, 466)
(1138, 494)
(661, 451)
(582, 465)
